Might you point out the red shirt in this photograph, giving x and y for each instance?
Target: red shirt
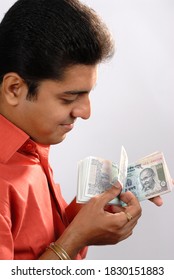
(32, 209)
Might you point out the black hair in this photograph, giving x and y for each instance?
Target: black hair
(39, 39)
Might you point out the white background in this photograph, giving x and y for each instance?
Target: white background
(132, 105)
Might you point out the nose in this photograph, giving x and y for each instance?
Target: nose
(82, 109)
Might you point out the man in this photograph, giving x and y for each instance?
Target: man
(147, 179)
(49, 53)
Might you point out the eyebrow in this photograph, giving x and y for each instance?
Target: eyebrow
(74, 92)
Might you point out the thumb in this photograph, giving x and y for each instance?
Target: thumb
(110, 194)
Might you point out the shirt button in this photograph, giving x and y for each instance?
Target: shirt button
(29, 147)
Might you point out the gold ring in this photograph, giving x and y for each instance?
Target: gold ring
(128, 216)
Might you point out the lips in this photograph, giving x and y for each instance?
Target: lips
(68, 127)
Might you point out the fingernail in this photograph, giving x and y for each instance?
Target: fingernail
(118, 185)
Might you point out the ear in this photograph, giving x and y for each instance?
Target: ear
(13, 88)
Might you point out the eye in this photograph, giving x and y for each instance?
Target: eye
(69, 100)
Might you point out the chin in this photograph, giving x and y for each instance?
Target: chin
(58, 140)
(50, 140)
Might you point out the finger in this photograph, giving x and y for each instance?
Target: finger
(157, 200)
(108, 195)
(131, 216)
(133, 207)
(127, 217)
(129, 198)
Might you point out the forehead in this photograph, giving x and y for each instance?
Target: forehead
(80, 73)
(146, 173)
(76, 78)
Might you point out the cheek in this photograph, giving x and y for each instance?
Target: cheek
(48, 114)
(52, 119)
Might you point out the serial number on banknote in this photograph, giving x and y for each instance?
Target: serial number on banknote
(137, 270)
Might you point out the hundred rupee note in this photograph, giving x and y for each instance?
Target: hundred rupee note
(146, 178)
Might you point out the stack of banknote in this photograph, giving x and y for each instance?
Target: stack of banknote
(146, 178)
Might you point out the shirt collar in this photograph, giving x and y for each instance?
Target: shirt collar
(11, 139)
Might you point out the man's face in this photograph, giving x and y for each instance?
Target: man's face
(59, 103)
(147, 179)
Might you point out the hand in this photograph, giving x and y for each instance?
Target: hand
(157, 200)
(95, 226)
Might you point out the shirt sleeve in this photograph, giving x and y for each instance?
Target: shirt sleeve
(6, 240)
